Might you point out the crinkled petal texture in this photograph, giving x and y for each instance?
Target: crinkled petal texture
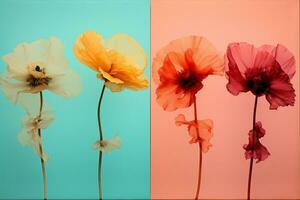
(254, 149)
(38, 66)
(29, 134)
(200, 131)
(108, 145)
(119, 60)
(180, 67)
(263, 71)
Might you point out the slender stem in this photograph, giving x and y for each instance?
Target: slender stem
(41, 150)
(101, 138)
(200, 153)
(251, 160)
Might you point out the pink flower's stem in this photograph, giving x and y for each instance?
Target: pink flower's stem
(41, 150)
(101, 138)
(251, 160)
(200, 154)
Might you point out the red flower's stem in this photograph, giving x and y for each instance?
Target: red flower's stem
(251, 160)
(200, 152)
(101, 138)
(41, 150)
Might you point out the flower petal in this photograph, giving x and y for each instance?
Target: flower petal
(241, 55)
(29, 134)
(108, 145)
(67, 85)
(205, 54)
(130, 77)
(254, 149)
(170, 99)
(57, 63)
(281, 91)
(90, 51)
(17, 60)
(180, 120)
(283, 56)
(169, 95)
(236, 82)
(260, 153)
(200, 131)
(260, 131)
(203, 134)
(127, 46)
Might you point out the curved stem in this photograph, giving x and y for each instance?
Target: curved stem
(251, 160)
(101, 138)
(200, 153)
(41, 150)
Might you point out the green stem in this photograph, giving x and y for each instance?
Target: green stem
(41, 150)
(101, 138)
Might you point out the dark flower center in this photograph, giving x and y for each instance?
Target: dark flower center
(188, 81)
(33, 82)
(38, 69)
(258, 85)
(37, 77)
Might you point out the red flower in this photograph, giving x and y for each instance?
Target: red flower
(179, 69)
(203, 134)
(255, 149)
(263, 71)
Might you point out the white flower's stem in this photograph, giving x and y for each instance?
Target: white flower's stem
(41, 150)
(101, 138)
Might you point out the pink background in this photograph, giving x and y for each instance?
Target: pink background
(174, 161)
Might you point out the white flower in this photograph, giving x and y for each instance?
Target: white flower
(38, 66)
(108, 145)
(29, 134)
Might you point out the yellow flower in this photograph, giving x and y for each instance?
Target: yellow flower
(119, 60)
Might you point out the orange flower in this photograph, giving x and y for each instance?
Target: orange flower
(202, 135)
(120, 60)
(180, 67)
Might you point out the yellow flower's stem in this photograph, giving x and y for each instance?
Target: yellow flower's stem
(251, 160)
(41, 150)
(101, 138)
(200, 153)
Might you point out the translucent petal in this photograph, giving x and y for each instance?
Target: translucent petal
(67, 85)
(205, 54)
(108, 145)
(90, 51)
(127, 46)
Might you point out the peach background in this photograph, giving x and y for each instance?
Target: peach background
(174, 162)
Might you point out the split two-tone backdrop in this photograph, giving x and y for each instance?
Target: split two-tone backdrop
(149, 133)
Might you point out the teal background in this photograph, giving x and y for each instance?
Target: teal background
(72, 165)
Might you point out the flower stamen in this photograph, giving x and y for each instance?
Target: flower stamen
(188, 81)
(34, 82)
(258, 84)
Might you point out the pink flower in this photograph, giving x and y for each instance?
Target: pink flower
(266, 70)
(255, 149)
(203, 134)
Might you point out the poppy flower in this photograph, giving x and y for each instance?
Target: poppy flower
(108, 145)
(254, 149)
(180, 68)
(29, 133)
(266, 70)
(200, 131)
(119, 60)
(40, 65)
